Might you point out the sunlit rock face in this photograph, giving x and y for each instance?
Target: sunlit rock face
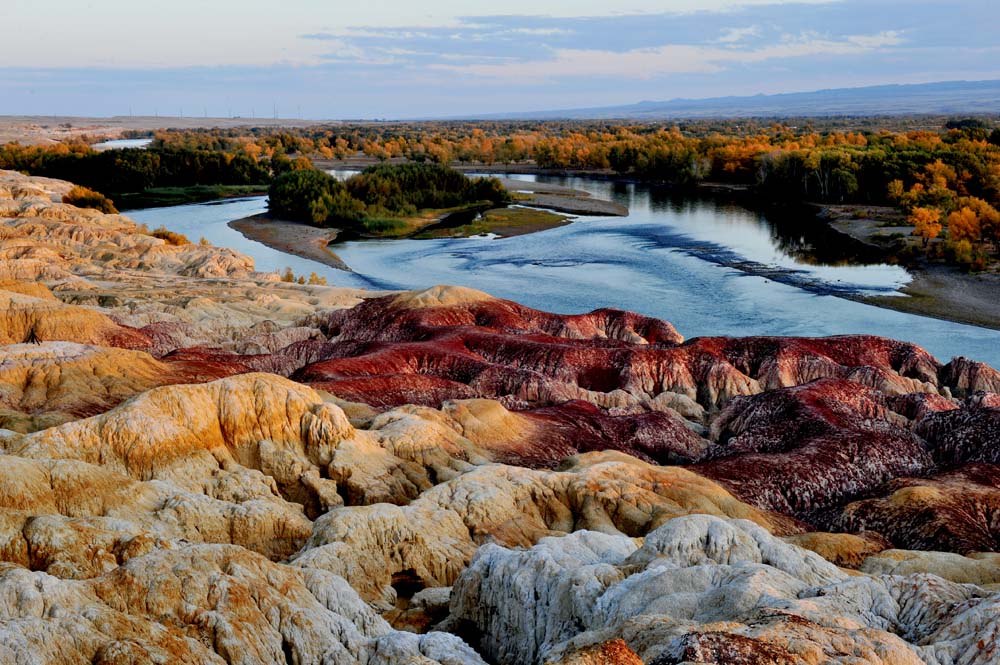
(710, 590)
(240, 470)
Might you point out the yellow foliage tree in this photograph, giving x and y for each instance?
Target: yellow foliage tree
(963, 224)
(927, 223)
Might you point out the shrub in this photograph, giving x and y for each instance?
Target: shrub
(81, 197)
(172, 238)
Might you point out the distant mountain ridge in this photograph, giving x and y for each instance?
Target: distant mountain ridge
(944, 98)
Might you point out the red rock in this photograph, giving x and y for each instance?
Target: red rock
(955, 511)
(805, 449)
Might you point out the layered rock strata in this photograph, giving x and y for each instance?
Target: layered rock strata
(242, 470)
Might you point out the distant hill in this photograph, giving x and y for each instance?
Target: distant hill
(945, 98)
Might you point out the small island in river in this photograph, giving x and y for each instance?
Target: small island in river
(522, 208)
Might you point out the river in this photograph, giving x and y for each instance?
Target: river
(707, 266)
(120, 144)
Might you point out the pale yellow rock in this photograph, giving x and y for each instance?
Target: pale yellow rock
(982, 568)
(441, 296)
(433, 537)
(65, 381)
(197, 605)
(843, 549)
(21, 315)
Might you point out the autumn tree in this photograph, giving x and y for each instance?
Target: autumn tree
(988, 218)
(963, 224)
(926, 222)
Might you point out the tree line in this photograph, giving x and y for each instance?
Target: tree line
(945, 170)
(112, 172)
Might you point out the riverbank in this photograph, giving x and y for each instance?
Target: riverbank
(937, 290)
(309, 242)
(943, 292)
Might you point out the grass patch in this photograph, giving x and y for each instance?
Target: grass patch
(503, 222)
(158, 197)
(385, 226)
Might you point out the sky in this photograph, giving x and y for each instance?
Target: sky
(330, 59)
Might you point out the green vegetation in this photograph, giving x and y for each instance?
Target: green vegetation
(134, 176)
(400, 190)
(386, 200)
(942, 174)
(313, 196)
(81, 197)
(501, 221)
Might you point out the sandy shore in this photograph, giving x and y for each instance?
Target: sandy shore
(563, 199)
(947, 293)
(303, 240)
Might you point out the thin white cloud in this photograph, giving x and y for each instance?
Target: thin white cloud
(878, 40)
(737, 35)
(669, 59)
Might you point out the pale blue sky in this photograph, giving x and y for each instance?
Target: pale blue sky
(387, 58)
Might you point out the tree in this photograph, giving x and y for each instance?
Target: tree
(988, 217)
(963, 224)
(895, 190)
(927, 223)
(304, 195)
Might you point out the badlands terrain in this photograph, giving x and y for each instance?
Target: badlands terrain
(204, 464)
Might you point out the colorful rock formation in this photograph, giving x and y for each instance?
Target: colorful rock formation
(242, 470)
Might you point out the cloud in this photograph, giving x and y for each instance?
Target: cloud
(736, 35)
(878, 40)
(365, 60)
(648, 63)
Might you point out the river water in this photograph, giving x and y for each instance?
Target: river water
(707, 266)
(119, 144)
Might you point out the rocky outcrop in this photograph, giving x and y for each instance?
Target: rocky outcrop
(239, 469)
(203, 604)
(966, 377)
(430, 540)
(25, 318)
(805, 449)
(706, 589)
(46, 384)
(955, 511)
